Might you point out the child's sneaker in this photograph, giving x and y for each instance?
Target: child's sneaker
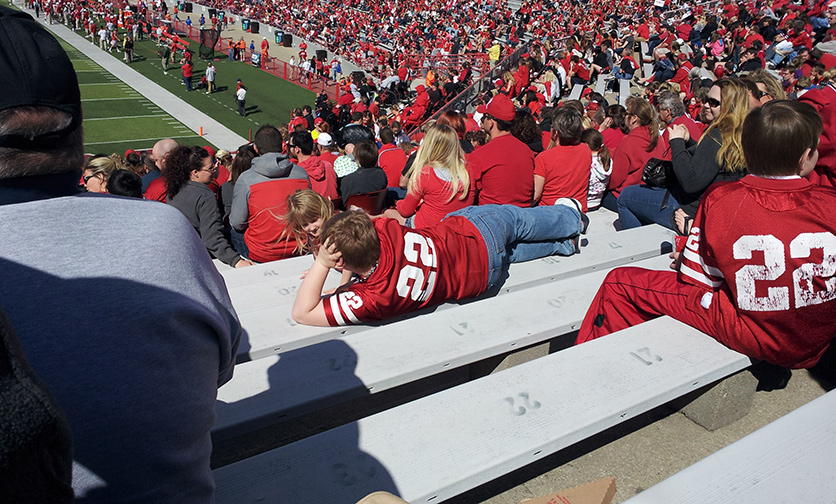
(575, 205)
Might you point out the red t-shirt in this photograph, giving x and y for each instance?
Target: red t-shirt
(431, 201)
(503, 171)
(612, 137)
(417, 269)
(392, 159)
(767, 251)
(566, 170)
(156, 190)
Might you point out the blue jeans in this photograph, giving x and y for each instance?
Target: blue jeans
(640, 204)
(514, 234)
(238, 243)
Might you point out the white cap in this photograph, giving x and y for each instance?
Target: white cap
(324, 139)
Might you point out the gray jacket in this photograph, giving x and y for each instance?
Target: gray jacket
(264, 168)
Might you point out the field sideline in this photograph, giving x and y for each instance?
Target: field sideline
(117, 117)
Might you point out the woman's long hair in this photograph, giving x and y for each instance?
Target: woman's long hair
(440, 149)
(642, 109)
(179, 164)
(734, 106)
(241, 163)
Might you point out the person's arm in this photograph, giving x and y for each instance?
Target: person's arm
(308, 306)
(409, 205)
(539, 183)
(211, 232)
(695, 172)
(239, 211)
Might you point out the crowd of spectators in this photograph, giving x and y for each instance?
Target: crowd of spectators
(704, 108)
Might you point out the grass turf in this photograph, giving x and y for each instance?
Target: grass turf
(105, 98)
(269, 99)
(116, 117)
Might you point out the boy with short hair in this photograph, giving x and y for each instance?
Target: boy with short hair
(758, 272)
(368, 177)
(401, 270)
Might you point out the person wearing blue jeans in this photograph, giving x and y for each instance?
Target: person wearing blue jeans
(390, 270)
(513, 234)
(639, 205)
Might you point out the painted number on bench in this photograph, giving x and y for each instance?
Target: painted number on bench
(284, 291)
(524, 399)
(411, 280)
(774, 266)
(461, 328)
(644, 355)
(348, 475)
(557, 302)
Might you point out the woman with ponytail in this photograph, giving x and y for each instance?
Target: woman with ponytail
(634, 150)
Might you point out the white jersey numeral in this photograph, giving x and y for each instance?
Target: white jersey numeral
(411, 280)
(774, 265)
(778, 298)
(802, 278)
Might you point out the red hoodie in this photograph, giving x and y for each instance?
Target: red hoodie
(630, 156)
(322, 175)
(824, 100)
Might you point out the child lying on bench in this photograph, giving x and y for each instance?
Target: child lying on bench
(399, 270)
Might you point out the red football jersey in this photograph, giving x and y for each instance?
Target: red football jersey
(767, 248)
(417, 269)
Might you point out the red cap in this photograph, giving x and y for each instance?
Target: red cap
(420, 88)
(719, 71)
(210, 150)
(318, 120)
(593, 106)
(499, 107)
(586, 91)
(682, 57)
(129, 151)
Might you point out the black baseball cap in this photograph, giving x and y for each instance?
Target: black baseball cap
(36, 72)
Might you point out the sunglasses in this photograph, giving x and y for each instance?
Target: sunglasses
(88, 177)
(712, 102)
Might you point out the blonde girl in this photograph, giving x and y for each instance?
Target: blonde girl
(438, 182)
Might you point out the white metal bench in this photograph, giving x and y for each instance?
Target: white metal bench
(264, 307)
(576, 92)
(278, 388)
(792, 459)
(601, 83)
(441, 445)
(623, 92)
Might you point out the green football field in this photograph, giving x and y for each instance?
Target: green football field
(117, 118)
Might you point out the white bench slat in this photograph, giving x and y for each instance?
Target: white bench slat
(270, 328)
(601, 83)
(623, 92)
(646, 56)
(312, 377)
(441, 445)
(575, 94)
(789, 460)
(648, 70)
(266, 272)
